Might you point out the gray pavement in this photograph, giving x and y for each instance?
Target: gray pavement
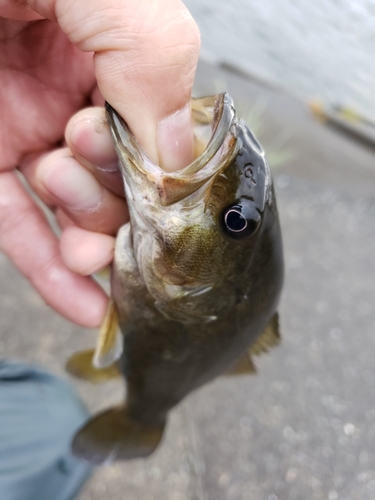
(304, 427)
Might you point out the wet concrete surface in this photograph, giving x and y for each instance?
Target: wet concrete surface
(304, 426)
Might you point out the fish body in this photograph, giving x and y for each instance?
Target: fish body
(197, 274)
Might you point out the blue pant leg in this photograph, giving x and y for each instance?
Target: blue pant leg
(39, 414)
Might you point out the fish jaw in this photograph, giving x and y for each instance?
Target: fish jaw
(168, 188)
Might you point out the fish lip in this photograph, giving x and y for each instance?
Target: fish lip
(173, 186)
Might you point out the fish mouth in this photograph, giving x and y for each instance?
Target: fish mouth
(214, 120)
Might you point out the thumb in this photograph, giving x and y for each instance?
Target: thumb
(145, 55)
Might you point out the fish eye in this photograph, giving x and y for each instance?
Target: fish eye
(241, 220)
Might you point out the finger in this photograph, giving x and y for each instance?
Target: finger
(28, 166)
(63, 220)
(84, 252)
(46, 82)
(97, 98)
(175, 146)
(60, 180)
(88, 137)
(27, 239)
(17, 11)
(145, 59)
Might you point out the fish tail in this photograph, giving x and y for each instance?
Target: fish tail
(113, 435)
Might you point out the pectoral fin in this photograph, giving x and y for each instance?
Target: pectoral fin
(112, 435)
(80, 365)
(244, 366)
(269, 338)
(110, 342)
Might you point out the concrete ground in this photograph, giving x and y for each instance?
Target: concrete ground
(304, 427)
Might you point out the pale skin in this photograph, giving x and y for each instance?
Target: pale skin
(145, 56)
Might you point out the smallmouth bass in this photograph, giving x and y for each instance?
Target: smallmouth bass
(196, 279)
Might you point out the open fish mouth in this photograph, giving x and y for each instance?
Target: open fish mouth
(179, 236)
(215, 146)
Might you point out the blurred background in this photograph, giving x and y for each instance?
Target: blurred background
(314, 49)
(303, 75)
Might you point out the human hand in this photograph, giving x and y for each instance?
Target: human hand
(144, 63)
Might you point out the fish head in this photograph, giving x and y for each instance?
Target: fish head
(198, 233)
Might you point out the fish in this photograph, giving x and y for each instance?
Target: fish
(195, 283)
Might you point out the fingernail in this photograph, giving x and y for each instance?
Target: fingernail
(92, 139)
(175, 140)
(72, 184)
